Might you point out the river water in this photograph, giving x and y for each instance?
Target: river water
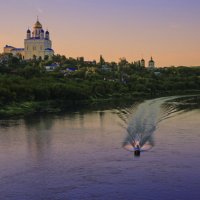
(87, 155)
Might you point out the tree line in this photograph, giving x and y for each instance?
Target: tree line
(22, 80)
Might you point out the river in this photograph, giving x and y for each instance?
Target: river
(87, 155)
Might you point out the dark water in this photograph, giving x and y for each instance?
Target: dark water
(81, 155)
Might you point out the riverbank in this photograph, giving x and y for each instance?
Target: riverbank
(28, 108)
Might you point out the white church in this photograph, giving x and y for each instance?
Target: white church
(151, 63)
(37, 44)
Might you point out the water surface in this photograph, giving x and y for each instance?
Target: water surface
(81, 155)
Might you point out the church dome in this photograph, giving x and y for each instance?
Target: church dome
(28, 31)
(151, 60)
(38, 25)
(47, 32)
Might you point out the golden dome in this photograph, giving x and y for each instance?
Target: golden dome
(38, 25)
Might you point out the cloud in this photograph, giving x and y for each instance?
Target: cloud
(39, 10)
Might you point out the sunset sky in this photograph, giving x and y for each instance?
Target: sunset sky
(168, 30)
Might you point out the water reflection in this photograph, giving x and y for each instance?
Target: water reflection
(10, 123)
(38, 136)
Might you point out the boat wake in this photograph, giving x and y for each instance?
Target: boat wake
(141, 121)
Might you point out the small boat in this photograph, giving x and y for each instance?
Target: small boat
(137, 152)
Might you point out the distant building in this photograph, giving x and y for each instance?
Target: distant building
(142, 63)
(151, 64)
(37, 44)
(71, 69)
(7, 49)
(14, 51)
(52, 67)
(18, 52)
(105, 68)
(90, 62)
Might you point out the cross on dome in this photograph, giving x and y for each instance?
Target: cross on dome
(37, 24)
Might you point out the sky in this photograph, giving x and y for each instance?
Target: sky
(167, 30)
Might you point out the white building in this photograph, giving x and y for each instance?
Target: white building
(151, 64)
(142, 62)
(14, 51)
(52, 67)
(37, 44)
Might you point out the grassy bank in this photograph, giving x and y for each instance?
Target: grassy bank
(29, 108)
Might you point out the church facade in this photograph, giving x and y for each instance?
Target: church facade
(36, 45)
